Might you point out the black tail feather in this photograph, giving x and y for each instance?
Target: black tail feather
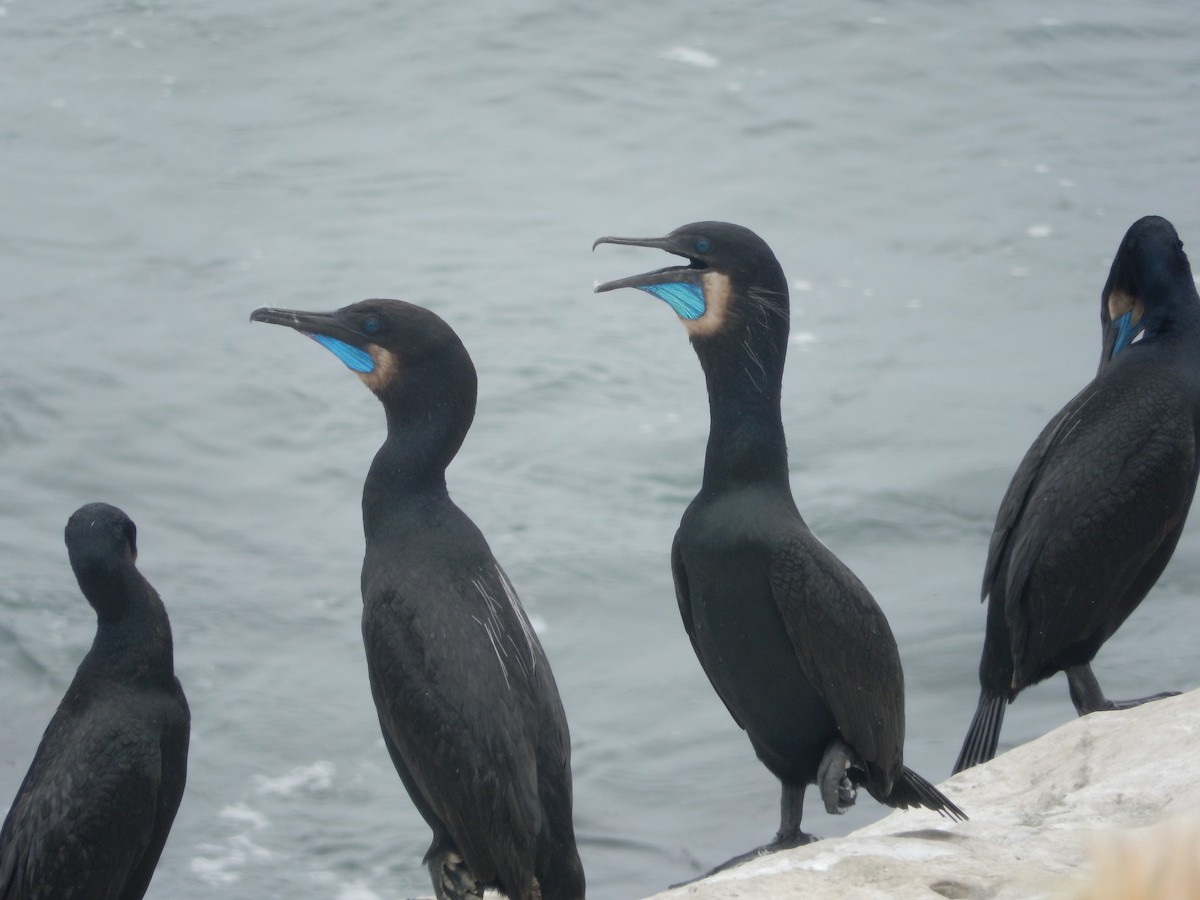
(910, 789)
(984, 733)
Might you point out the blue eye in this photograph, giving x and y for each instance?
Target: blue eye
(370, 324)
(702, 245)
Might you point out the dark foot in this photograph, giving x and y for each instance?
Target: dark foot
(794, 840)
(452, 880)
(833, 779)
(1130, 704)
(1088, 698)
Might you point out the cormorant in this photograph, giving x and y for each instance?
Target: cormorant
(1097, 505)
(791, 640)
(468, 706)
(92, 815)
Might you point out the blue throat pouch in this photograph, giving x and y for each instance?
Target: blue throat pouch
(686, 298)
(355, 359)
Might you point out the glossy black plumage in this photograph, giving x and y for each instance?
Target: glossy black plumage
(1097, 505)
(791, 640)
(93, 813)
(468, 706)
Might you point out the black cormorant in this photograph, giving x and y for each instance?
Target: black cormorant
(1097, 505)
(791, 640)
(92, 815)
(468, 706)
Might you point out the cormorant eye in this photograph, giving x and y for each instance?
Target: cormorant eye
(371, 324)
(702, 245)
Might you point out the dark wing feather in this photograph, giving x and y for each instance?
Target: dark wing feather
(1100, 521)
(457, 679)
(173, 744)
(684, 598)
(854, 664)
(1023, 482)
(85, 816)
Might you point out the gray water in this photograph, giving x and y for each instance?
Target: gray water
(944, 183)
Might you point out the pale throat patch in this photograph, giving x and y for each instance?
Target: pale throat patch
(1120, 303)
(717, 291)
(387, 367)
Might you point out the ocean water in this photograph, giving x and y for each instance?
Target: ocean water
(944, 183)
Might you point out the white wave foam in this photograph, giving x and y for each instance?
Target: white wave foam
(315, 777)
(692, 57)
(239, 812)
(219, 866)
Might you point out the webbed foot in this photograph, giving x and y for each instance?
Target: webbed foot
(1088, 698)
(452, 880)
(833, 779)
(1130, 704)
(794, 840)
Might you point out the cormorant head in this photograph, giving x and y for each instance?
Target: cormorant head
(1149, 289)
(732, 299)
(731, 277)
(102, 546)
(406, 354)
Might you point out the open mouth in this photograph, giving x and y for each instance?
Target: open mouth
(689, 274)
(682, 287)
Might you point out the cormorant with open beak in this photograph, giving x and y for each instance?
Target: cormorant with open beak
(791, 640)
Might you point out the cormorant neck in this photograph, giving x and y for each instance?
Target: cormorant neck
(746, 443)
(1185, 312)
(136, 638)
(408, 465)
(429, 411)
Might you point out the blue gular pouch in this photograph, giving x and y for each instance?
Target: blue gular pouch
(686, 298)
(1126, 332)
(354, 358)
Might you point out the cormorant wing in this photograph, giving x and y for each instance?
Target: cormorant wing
(173, 744)
(1102, 515)
(845, 648)
(458, 711)
(684, 598)
(85, 813)
(1023, 480)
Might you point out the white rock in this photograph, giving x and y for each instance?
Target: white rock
(1037, 814)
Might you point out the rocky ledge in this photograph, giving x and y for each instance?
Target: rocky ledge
(1105, 806)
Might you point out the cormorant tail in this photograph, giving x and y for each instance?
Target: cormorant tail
(984, 733)
(910, 789)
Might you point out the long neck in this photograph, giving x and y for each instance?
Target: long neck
(429, 411)
(137, 641)
(411, 463)
(1185, 313)
(746, 443)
